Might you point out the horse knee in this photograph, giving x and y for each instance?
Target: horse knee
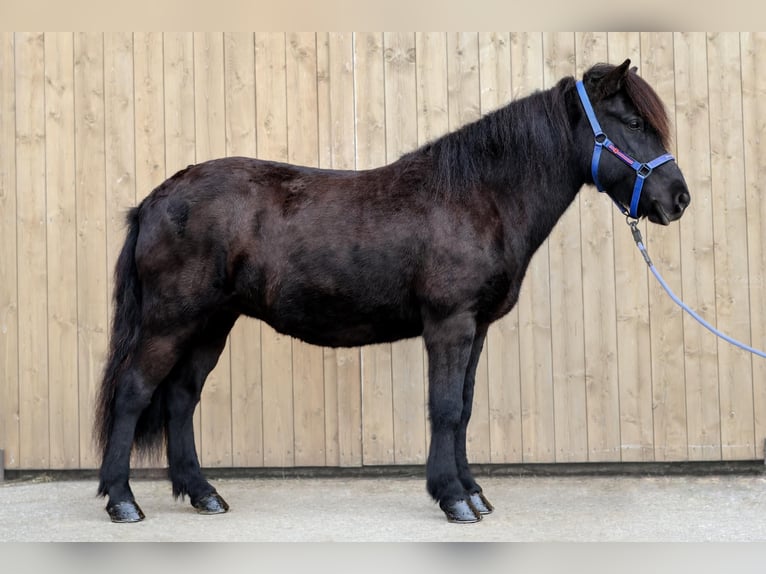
(445, 414)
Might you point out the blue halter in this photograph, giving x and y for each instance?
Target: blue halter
(643, 170)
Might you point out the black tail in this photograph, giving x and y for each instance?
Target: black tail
(124, 340)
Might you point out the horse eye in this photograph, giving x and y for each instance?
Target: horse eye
(635, 124)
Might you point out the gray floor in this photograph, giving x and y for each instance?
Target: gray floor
(625, 508)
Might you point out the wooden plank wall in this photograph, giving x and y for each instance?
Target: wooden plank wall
(594, 364)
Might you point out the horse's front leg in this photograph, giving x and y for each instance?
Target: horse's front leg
(472, 489)
(449, 342)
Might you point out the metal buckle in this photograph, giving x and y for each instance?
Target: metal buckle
(601, 138)
(644, 171)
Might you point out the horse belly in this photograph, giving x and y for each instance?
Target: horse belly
(337, 322)
(334, 309)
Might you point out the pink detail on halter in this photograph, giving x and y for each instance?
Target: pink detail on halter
(623, 156)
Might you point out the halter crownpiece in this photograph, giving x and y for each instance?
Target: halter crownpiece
(643, 170)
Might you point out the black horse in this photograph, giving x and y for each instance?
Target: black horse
(434, 244)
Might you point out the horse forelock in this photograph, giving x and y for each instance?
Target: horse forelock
(649, 106)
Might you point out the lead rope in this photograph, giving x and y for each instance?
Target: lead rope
(633, 223)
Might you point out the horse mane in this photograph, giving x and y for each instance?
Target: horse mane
(534, 127)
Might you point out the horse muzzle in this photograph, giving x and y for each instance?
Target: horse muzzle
(660, 215)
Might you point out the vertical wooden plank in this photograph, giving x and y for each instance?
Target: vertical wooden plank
(61, 250)
(119, 152)
(276, 349)
(343, 387)
(149, 121)
(633, 337)
(432, 118)
(325, 160)
(697, 263)
(464, 106)
(149, 110)
(32, 273)
(245, 339)
(537, 416)
(735, 373)
(670, 435)
(599, 297)
(303, 149)
(119, 143)
(566, 292)
(92, 274)
(377, 399)
(754, 124)
(432, 85)
(502, 346)
(406, 356)
(178, 70)
(180, 147)
(215, 448)
(9, 350)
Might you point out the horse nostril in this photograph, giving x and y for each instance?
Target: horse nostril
(683, 200)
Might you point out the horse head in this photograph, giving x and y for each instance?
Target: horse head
(628, 130)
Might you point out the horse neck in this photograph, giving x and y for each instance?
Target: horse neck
(538, 176)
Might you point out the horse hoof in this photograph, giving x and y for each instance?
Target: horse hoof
(125, 511)
(481, 503)
(461, 512)
(211, 504)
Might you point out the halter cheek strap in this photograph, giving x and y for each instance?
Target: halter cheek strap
(643, 170)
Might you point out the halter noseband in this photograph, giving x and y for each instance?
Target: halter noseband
(643, 170)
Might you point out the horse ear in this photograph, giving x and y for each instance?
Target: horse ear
(612, 82)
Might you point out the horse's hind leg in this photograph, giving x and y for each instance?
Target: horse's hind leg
(138, 380)
(472, 489)
(449, 343)
(184, 387)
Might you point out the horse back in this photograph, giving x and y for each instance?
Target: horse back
(338, 258)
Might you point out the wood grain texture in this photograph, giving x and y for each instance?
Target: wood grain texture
(276, 349)
(535, 353)
(61, 245)
(9, 319)
(599, 296)
(464, 106)
(632, 316)
(92, 273)
(149, 111)
(342, 367)
(303, 149)
(692, 121)
(119, 152)
(407, 357)
(594, 364)
(502, 344)
(735, 373)
(566, 293)
(377, 389)
(245, 339)
(754, 126)
(32, 252)
(432, 119)
(215, 409)
(666, 328)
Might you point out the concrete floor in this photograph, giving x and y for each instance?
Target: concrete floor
(381, 509)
